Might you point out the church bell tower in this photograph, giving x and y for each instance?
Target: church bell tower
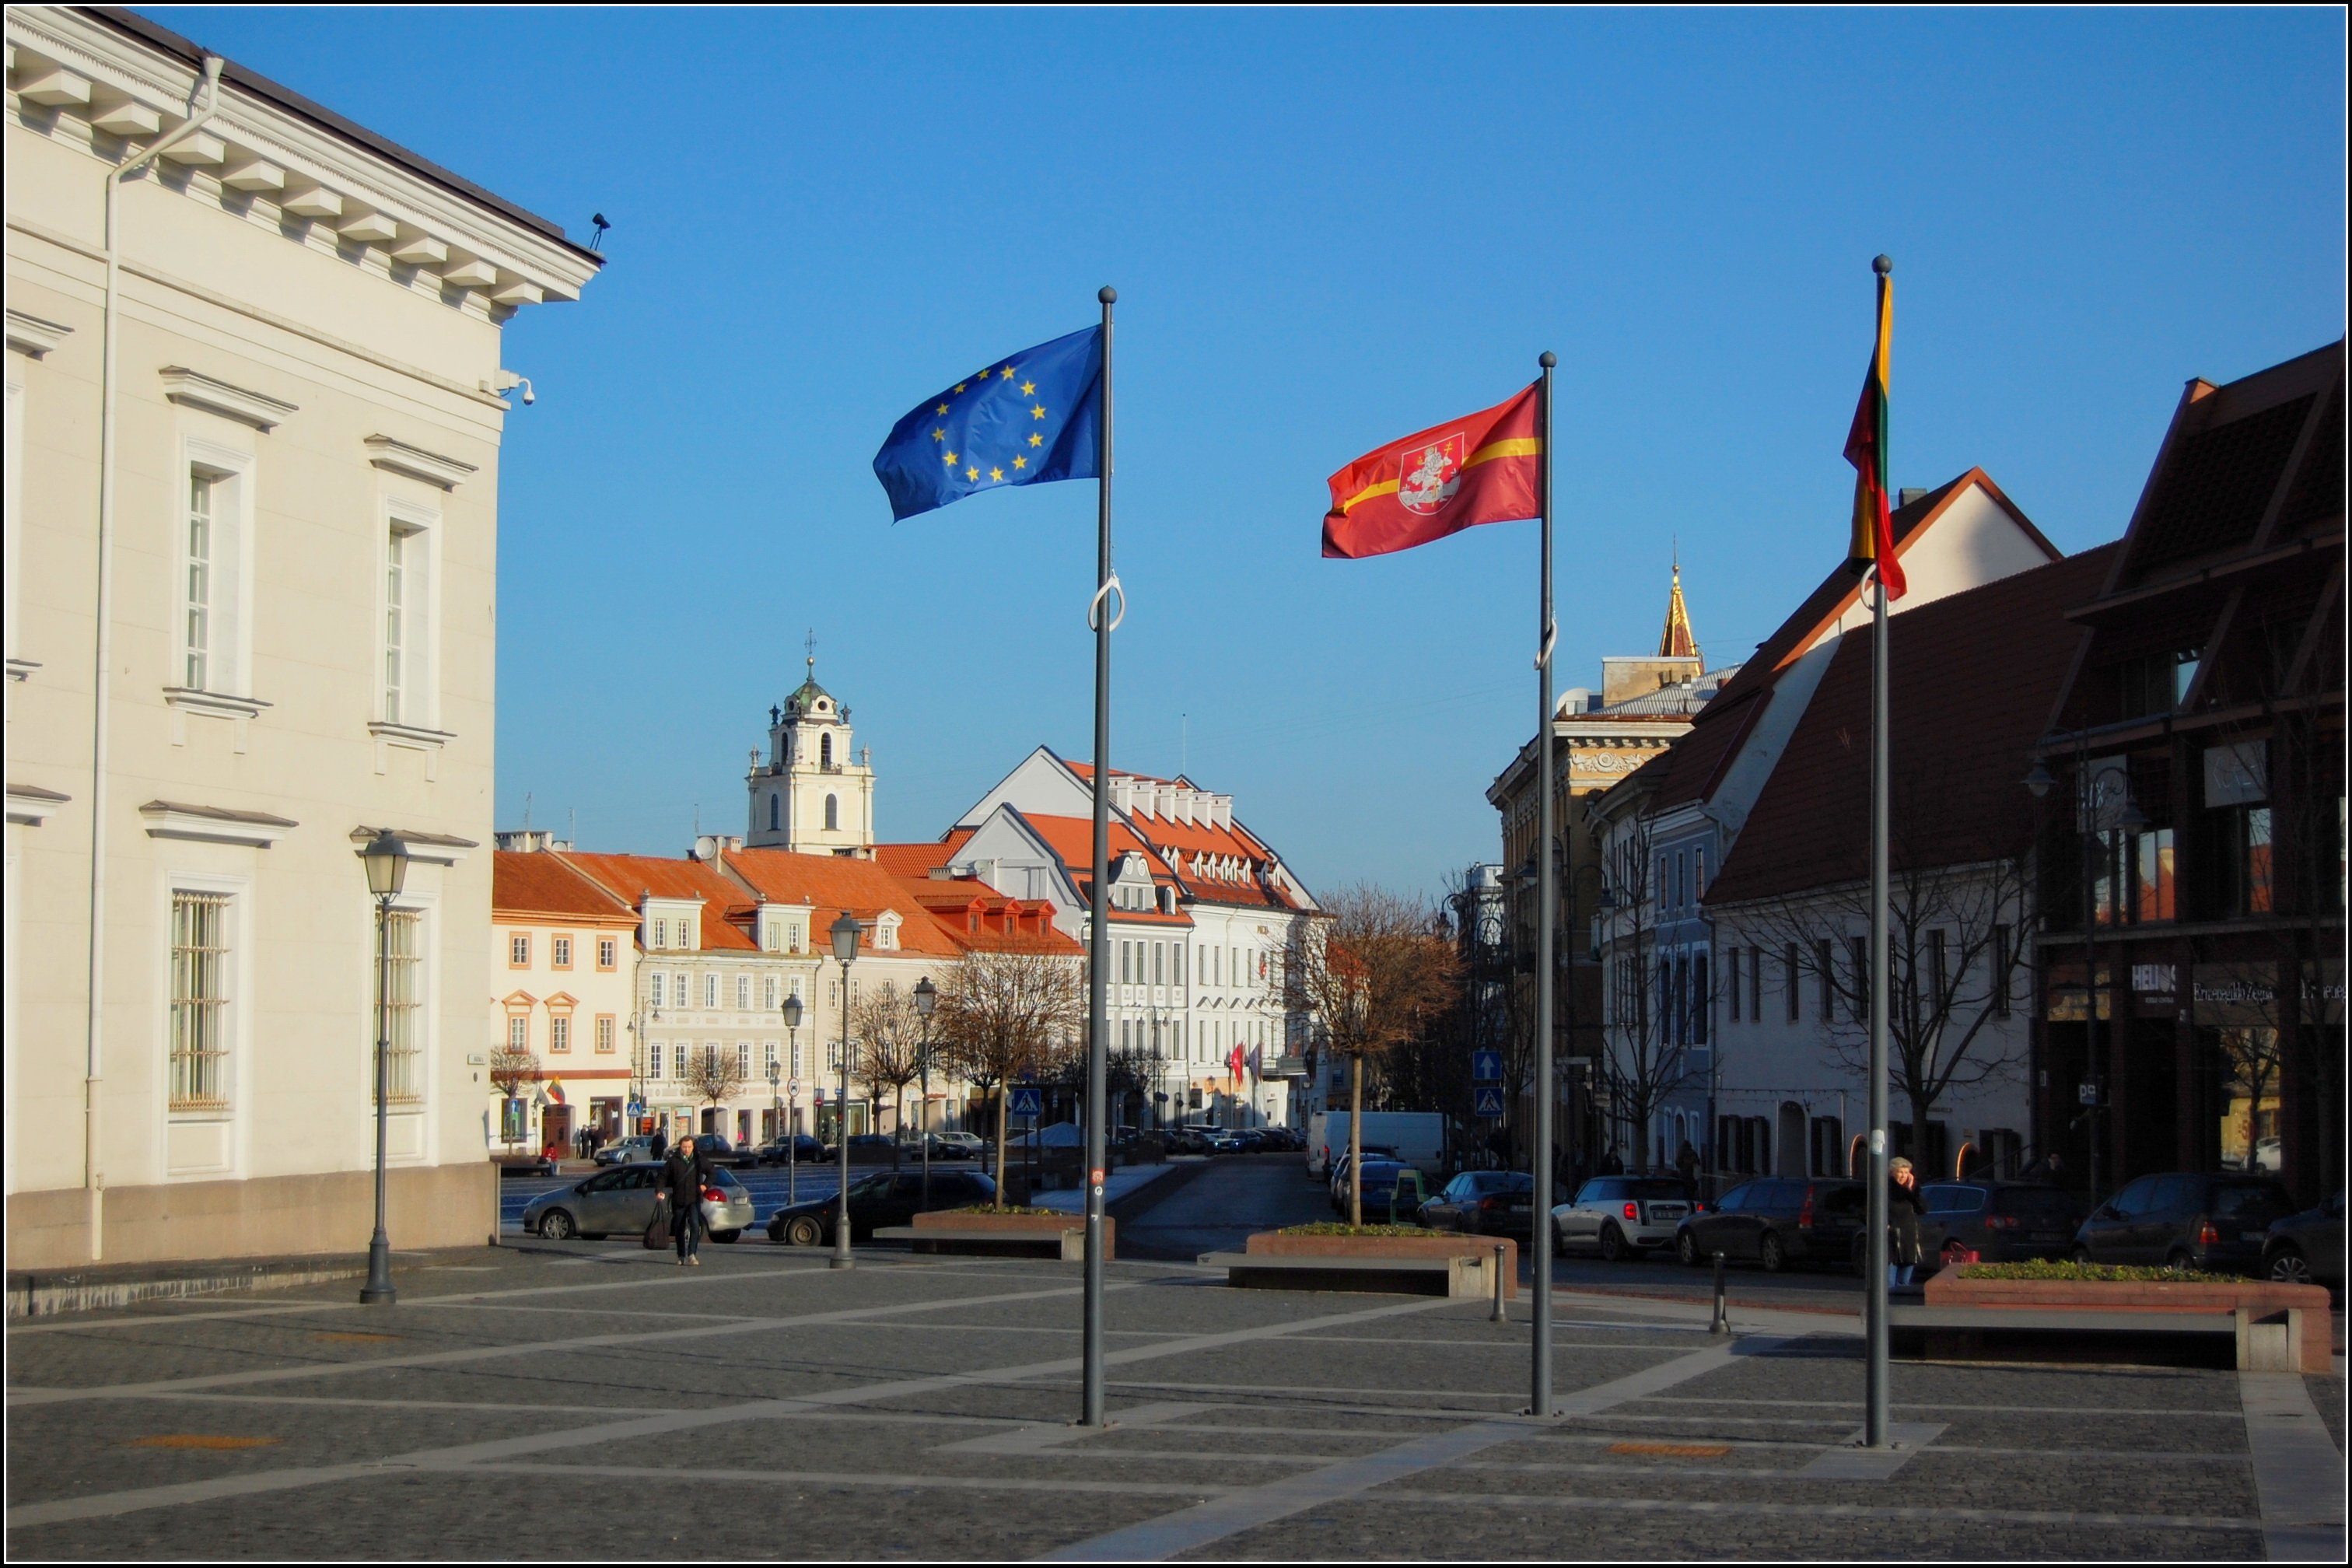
(810, 793)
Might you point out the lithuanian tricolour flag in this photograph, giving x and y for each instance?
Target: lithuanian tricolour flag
(1865, 448)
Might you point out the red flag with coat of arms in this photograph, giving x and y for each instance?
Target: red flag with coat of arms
(1482, 467)
(1237, 1062)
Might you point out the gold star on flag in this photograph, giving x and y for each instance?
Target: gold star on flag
(943, 408)
(1008, 372)
(1037, 411)
(1035, 439)
(951, 457)
(971, 473)
(959, 386)
(939, 435)
(995, 474)
(1020, 462)
(1028, 389)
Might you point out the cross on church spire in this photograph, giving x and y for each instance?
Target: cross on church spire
(811, 653)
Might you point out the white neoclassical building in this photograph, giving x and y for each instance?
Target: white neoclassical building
(251, 560)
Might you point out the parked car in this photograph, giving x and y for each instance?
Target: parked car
(525, 1165)
(941, 1145)
(1622, 1217)
(2307, 1248)
(804, 1150)
(1485, 1202)
(2000, 1222)
(1381, 1180)
(626, 1150)
(723, 1149)
(1776, 1222)
(958, 1145)
(619, 1202)
(884, 1198)
(1337, 1181)
(2191, 1219)
(865, 1148)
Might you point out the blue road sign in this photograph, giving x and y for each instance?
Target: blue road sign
(1028, 1099)
(1486, 1067)
(636, 1108)
(1489, 1099)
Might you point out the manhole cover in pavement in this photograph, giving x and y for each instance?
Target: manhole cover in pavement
(1674, 1450)
(202, 1440)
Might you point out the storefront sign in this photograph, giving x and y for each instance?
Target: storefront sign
(2237, 775)
(2235, 995)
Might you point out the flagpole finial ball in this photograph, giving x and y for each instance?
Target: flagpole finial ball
(1884, 266)
(1546, 359)
(1106, 294)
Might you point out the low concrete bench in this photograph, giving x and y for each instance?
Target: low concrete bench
(1066, 1242)
(2247, 1338)
(1460, 1275)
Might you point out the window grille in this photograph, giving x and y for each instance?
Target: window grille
(403, 1017)
(200, 958)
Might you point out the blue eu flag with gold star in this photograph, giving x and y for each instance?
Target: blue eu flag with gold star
(1029, 418)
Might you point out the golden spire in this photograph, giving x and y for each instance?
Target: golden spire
(1678, 641)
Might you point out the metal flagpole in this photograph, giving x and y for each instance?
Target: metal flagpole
(1540, 1237)
(1875, 1287)
(1097, 946)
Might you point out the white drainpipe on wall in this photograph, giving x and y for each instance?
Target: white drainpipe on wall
(93, 1177)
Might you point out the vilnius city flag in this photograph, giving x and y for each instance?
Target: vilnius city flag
(1483, 467)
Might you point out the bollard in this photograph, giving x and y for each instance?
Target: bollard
(1722, 1324)
(1499, 1316)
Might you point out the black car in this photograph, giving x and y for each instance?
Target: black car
(884, 1198)
(721, 1150)
(1776, 1222)
(2307, 1248)
(804, 1150)
(864, 1148)
(2189, 1219)
(942, 1149)
(1484, 1203)
(2000, 1222)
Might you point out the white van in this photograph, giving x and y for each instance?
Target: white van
(1417, 1136)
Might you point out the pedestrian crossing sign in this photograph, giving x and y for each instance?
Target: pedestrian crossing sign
(1027, 1099)
(1489, 1099)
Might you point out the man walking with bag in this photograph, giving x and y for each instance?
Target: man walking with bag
(684, 1175)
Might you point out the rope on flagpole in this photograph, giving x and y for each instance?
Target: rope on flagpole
(1111, 585)
(1551, 638)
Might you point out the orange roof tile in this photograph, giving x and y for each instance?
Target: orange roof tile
(832, 884)
(629, 877)
(539, 884)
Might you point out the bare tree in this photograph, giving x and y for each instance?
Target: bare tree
(512, 1072)
(715, 1074)
(1644, 1059)
(1953, 961)
(1382, 970)
(1007, 1011)
(889, 1034)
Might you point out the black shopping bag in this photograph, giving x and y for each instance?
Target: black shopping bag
(658, 1228)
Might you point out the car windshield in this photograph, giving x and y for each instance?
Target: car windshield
(871, 1186)
(2248, 1201)
(1653, 1189)
(725, 1179)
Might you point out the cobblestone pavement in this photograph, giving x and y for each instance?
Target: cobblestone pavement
(582, 1400)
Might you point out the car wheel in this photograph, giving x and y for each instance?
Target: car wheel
(1687, 1249)
(1612, 1245)
(1771, 1253)
(726, 1235)
(556, 1225)
(2289, 1267)
(2082, 1255)
(2178, 1259)
(803, 1232)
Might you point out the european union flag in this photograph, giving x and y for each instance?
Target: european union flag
(1032, 416)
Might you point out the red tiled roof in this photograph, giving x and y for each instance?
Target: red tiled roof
(1073, 839)
(540, 884)
(1691, 767)
(916, 861)
(1971, 676)
(626, 876)
(832, 884)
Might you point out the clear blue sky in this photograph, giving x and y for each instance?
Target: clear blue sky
(1328, 229)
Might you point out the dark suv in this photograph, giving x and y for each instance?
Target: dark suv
(2188, 1219)
(1776, 1222)
(2000, 1222)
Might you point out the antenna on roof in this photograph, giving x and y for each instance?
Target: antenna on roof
(811, 653)
(572, 823)
(1183, 744)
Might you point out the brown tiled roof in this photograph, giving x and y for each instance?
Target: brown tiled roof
(1971, 681)
(626, 876)
(1694, 764)
(834, 883)
(541, 884)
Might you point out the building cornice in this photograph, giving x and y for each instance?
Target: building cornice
(399, 457)
(32, 335)
(31, 805)
(214, 824)
(193, 389)
(265, 164)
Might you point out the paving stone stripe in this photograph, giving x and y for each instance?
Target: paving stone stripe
(659, 1423)
(1215, 1519)
(1927, 1515)
(1851, 1462)
(2298, 1473)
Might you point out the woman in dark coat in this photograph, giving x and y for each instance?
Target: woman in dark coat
(1904, 1208)
(684, 1175)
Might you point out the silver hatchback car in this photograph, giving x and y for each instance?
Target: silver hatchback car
(1621, 1216)
(619, 1202)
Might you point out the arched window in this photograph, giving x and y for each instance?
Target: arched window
(832, 810)
(775, 811)
(825, 751)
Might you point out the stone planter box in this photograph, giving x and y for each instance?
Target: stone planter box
(1071, 1227)
(2296, 1316)
(1274, 1243)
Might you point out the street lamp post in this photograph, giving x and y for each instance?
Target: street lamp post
(386, 860)
(845, 950)
(792, 1129)
(927, 997)
(776, 1095)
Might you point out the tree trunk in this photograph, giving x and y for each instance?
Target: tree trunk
(1356, 1139)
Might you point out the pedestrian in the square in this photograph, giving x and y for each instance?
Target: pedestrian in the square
(1687, 1166)
(659, 1146)
(684, 1174)
(1613, 1165)
(1903, 1207)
